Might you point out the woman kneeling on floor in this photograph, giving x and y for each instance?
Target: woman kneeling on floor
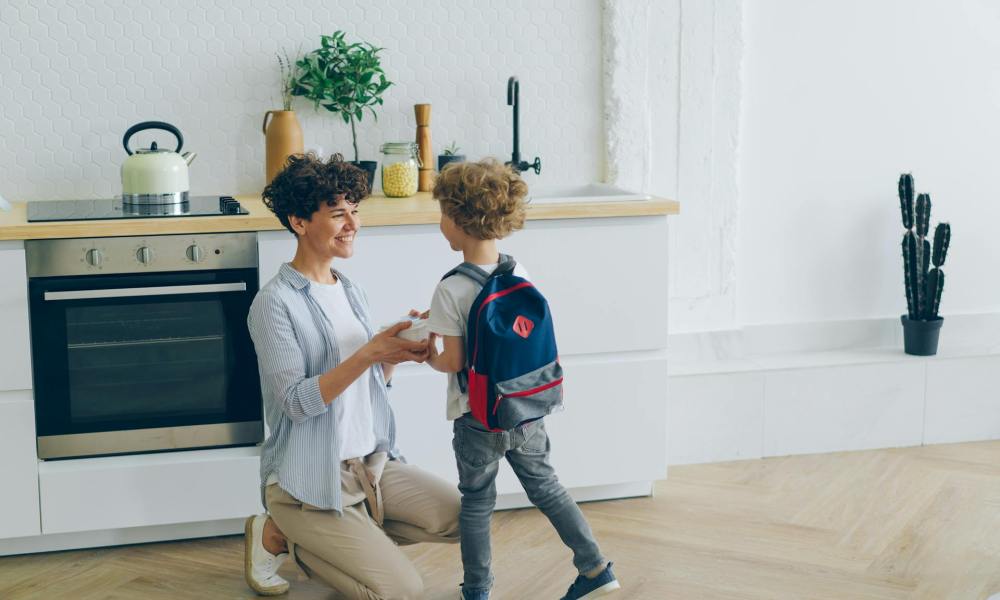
(339, 496)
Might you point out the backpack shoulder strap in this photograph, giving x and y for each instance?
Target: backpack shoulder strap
(471, 271)
(507, 264)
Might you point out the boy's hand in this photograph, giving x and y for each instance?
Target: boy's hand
(386, 347)
(416, 313)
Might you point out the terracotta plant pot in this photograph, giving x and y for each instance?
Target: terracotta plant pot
(283, 138)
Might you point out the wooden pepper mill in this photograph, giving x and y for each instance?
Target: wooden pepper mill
(425, 182)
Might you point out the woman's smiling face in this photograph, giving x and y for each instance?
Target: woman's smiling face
(330, 231)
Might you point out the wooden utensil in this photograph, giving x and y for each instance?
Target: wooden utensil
(426, 152)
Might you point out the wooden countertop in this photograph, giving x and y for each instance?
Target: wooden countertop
(375, 211)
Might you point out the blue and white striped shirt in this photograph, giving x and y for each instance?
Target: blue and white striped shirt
(295, 344)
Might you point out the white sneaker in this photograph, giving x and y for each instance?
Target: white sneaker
(260, 567)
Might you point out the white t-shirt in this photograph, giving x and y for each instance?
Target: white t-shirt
(353, 409)
(450, 306)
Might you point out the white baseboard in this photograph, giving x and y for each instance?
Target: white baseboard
(183, 531)
(119, 537)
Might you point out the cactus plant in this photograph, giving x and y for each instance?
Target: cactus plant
(942, 238)
(924, 285)
(906, 199)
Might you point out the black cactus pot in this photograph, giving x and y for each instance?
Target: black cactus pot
(444, 159)
(369, 167)
(920, 338)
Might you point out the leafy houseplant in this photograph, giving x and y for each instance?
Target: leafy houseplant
(921, 323)
(345, 79)
(450, 155)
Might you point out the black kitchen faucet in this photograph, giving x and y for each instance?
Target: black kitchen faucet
(513, 89)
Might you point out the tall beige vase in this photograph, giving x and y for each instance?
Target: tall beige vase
(283, 137)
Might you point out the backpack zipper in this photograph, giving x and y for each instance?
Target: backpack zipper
(540, 388)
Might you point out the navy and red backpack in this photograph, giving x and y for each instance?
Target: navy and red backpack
(512, 369)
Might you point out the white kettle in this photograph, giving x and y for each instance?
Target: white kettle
(154, 175)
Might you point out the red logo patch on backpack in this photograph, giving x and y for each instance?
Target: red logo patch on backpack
(523, 326)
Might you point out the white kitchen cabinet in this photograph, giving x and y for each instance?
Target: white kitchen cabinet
(19, 499)
(612, 429)
(15, 355)
(273, 248)
(605, 279)
(149, 489)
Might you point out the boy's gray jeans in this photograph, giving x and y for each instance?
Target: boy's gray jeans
(478, 453)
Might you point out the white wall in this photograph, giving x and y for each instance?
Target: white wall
(839, 98)
(672, 110)
(780, 126)
(74, 75)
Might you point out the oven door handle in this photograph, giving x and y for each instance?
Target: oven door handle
(167, 290)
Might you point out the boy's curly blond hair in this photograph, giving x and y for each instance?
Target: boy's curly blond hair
(485, 199)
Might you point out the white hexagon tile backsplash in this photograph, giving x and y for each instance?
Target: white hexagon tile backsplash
(75, 74)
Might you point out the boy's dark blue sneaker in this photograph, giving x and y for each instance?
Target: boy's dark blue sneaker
(475, 594)
(602, 585)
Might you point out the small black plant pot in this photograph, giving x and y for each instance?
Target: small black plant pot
(368, 166)
(444, 159)
(920, 338)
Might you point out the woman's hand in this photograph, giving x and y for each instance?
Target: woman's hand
(385, 347)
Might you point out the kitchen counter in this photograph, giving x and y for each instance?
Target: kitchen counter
(377, 210)
(145, 497)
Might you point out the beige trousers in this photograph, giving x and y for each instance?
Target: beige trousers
(351, 553)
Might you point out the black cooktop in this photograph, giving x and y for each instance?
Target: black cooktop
(114, 208)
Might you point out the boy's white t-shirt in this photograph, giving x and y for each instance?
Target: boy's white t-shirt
(450, 306)
(352, 411)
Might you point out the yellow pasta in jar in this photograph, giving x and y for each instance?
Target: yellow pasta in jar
(399, 179)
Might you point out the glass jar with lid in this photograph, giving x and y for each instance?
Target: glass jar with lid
(400, 167)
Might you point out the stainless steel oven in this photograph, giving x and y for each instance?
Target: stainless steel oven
(140, 344)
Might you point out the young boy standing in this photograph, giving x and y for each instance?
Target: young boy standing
(480, 203)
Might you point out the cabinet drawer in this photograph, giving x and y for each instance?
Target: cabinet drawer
(15, 348)
(605, 279)
(612, 431)
(19, 500)
(151, 489)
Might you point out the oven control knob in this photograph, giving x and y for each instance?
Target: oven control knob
(195, 253)
(144, 255)
(94, 257)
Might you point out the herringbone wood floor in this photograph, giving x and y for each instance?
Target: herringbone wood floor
(907, 523)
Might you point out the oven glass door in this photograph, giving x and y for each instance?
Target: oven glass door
(129, 363)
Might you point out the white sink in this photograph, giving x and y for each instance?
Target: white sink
(593, 192)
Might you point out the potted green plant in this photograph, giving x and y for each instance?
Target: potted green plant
(921, 323)
(450, 155)
(345, 79)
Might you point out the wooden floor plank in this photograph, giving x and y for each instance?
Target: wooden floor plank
(913, 523)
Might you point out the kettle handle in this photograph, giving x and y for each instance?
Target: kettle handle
(152, 125)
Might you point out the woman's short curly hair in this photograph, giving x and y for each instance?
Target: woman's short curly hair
(306, 182)
(486, 199)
